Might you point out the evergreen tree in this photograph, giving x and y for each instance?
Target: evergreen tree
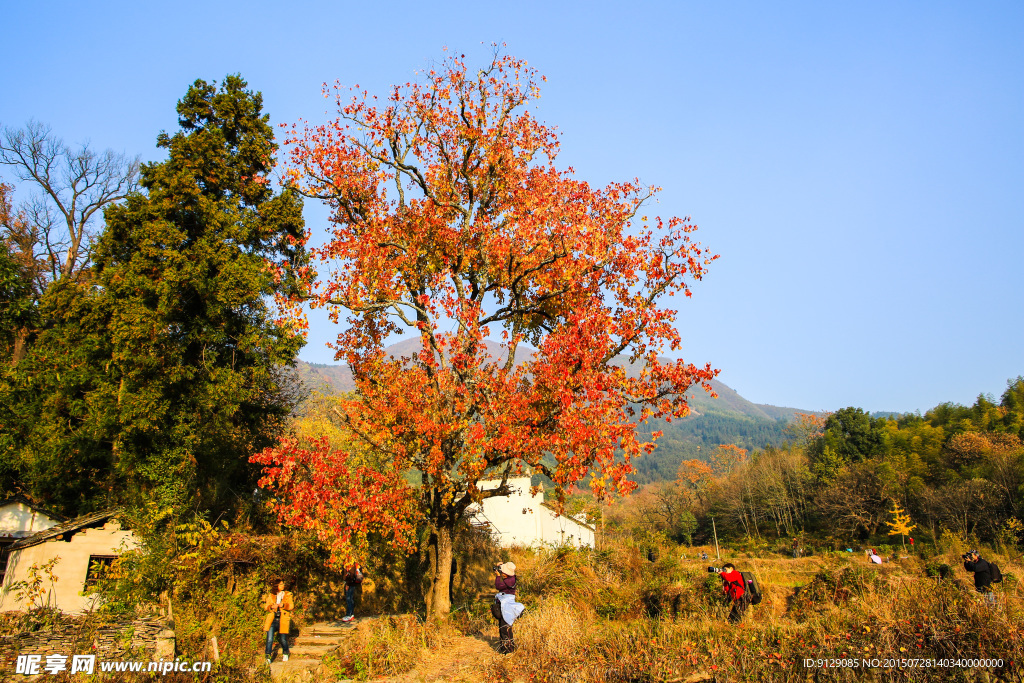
(16, 290)
(16, 310)
(187, 269)
(59, 418)
(160, 378)
(850, 436)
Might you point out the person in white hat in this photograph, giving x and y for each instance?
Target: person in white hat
(505, 608)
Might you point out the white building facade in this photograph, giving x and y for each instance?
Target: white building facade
(20, 518)
(526, 520)
(80, 550)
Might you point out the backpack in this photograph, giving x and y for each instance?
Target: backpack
(354, 578)
(997, 576)
(496, 610)
(751, 587)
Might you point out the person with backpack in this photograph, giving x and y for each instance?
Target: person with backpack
(505, 609)
(985, 573)
(735, 588)
(353, 579)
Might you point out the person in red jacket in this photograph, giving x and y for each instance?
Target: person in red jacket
(735, 591)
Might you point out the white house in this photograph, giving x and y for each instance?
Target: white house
(81, 550)
(524, 519)
(20, 518)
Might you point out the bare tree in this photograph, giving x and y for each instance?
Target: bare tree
(665, 506)
(75, 186)
(855, 501)
(965, 507)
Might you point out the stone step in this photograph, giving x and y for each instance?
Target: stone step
(329, 625)
(334, 632)
(310, 645)
(311, 650)
(325, 630)
(318, 639)
(295, 669)
(330, 631)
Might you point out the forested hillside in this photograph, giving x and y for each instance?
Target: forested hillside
(955, 470)
(697, 437)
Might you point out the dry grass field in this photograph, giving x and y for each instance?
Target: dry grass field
(611, 616)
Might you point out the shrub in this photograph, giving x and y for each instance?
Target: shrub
(389, 646)
(832, 588)
(938, 570)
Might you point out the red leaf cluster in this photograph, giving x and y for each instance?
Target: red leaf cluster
(319, 490)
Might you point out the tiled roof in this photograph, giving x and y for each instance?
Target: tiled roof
(73, 525)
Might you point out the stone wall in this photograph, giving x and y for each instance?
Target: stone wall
(149, 638)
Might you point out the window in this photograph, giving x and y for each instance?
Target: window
(99, 568)
(4, 555)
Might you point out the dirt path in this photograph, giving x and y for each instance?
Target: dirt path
(465, 661)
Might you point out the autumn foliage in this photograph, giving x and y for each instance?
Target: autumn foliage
(538, 300)
(341, 500)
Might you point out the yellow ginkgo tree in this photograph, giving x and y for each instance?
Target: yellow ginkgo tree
(901, 523)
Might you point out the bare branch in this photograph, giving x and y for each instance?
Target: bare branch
(76, 184)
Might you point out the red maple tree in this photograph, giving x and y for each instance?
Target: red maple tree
(450, 219)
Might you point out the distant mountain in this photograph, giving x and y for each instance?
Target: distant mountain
(336, 378)
(325, 378)
(728, 419)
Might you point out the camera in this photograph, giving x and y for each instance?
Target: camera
(715, 570)
(497, 568)
(966, 557)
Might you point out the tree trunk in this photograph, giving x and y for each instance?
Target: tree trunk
(438, 594)
(20, 344)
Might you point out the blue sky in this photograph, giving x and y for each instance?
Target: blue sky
(859, 167)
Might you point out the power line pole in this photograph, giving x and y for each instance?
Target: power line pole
(715, 530)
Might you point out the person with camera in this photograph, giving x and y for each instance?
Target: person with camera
(353, 579)
(982, 573)
(505, 609)
(735, 590)
(278, 604)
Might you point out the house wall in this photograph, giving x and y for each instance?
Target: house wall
(70, 570)
(522, 519)
(565, 530)
(18, 520)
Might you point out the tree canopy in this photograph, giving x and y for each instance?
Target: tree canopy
(450, 220)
